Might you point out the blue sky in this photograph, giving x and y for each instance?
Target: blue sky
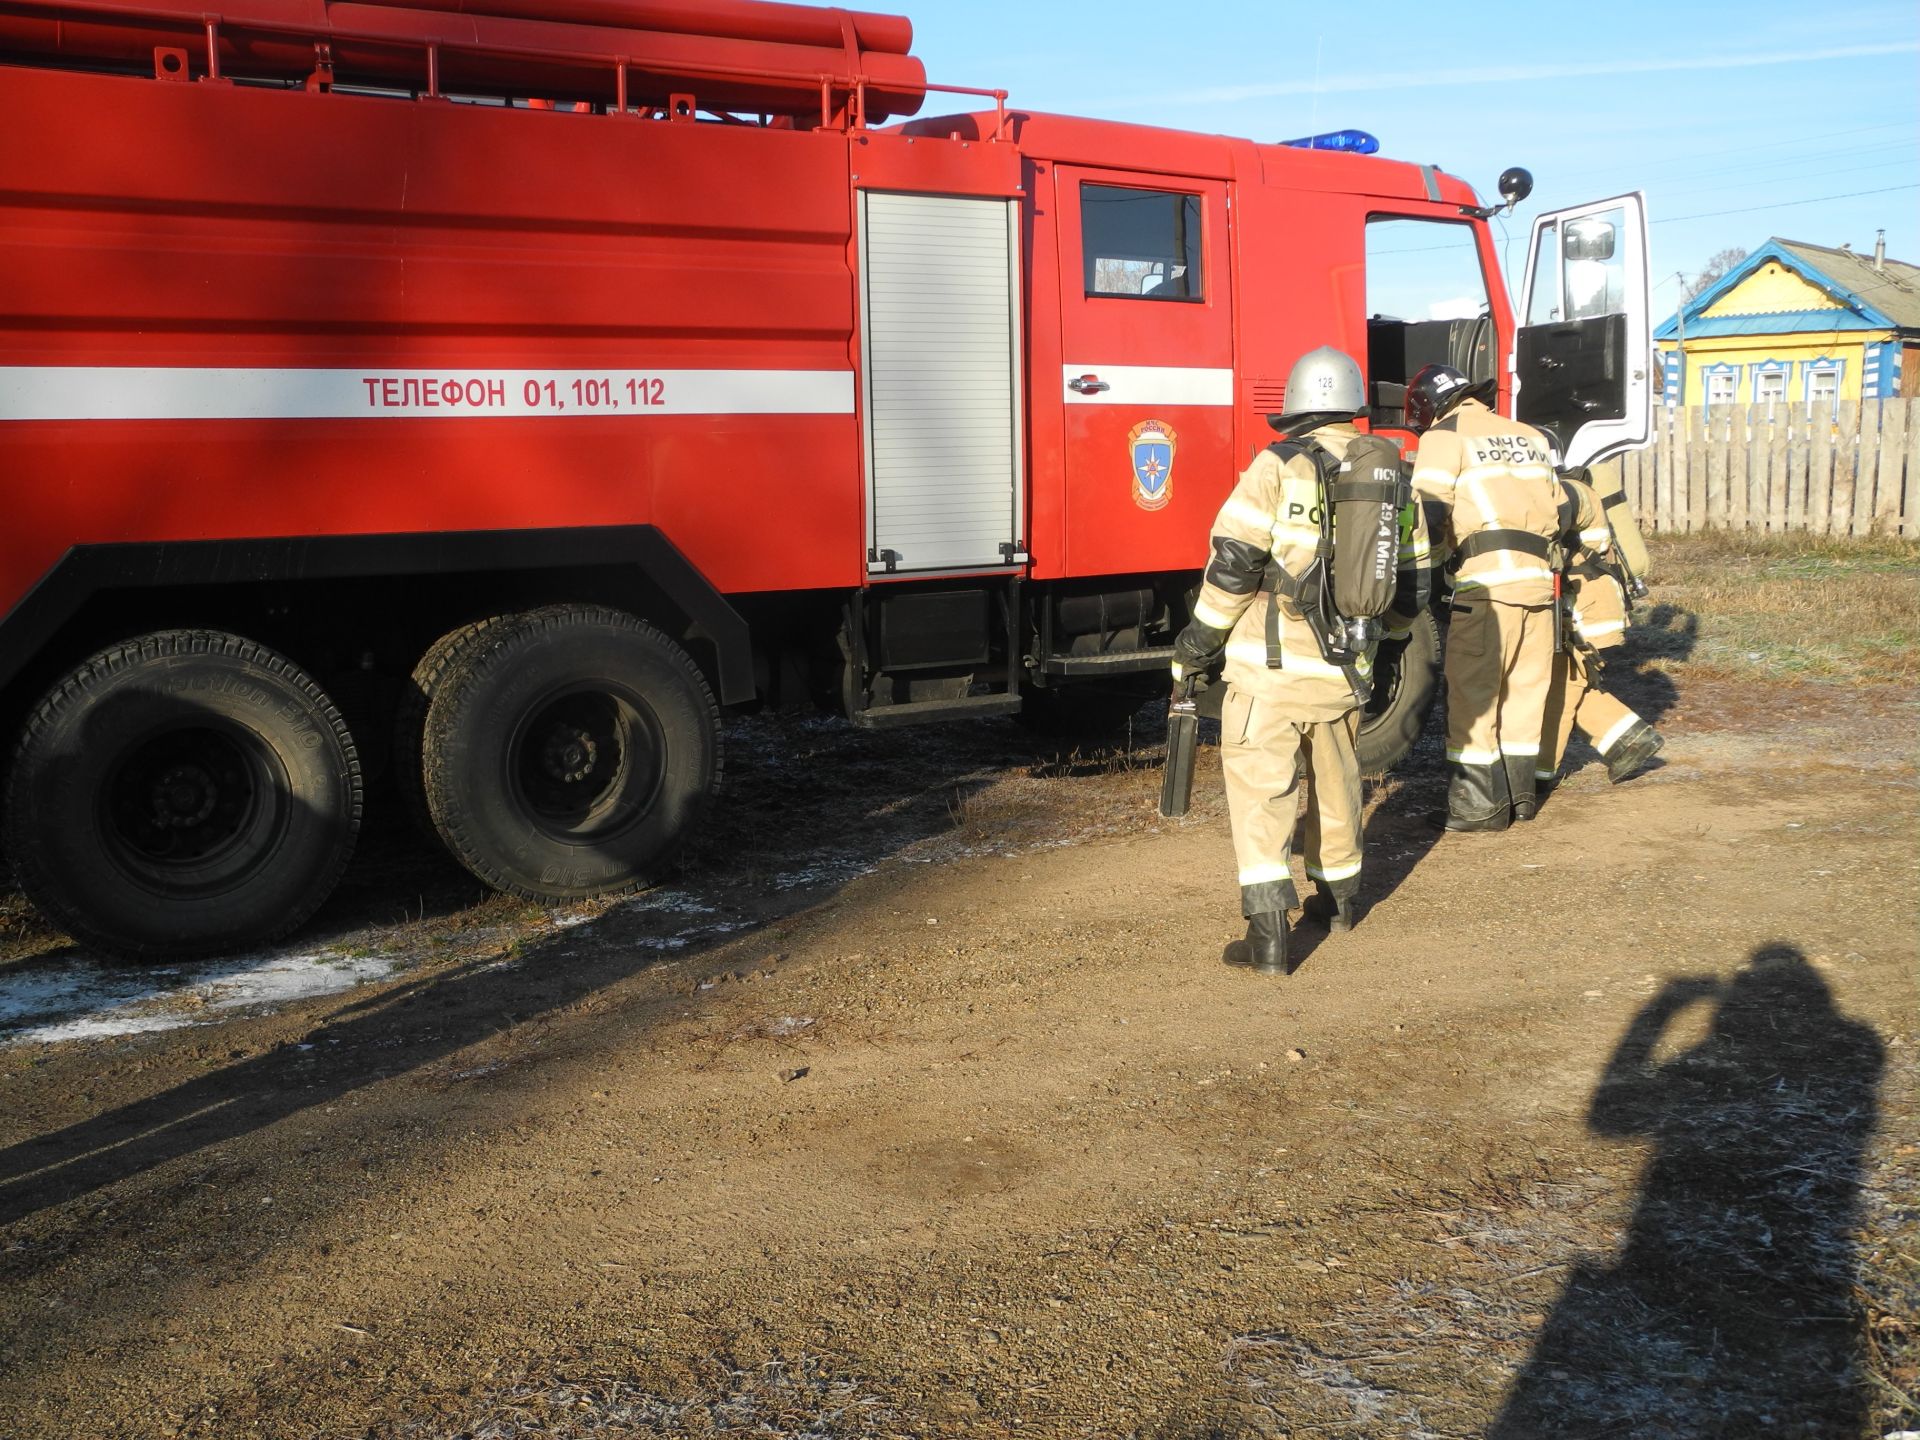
(1725, 112)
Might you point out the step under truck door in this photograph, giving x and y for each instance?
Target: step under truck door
(1583, 356)
(941, 383)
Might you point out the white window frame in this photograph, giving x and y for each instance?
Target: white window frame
(1823, 366)
(1769, 370)
(1715, 373)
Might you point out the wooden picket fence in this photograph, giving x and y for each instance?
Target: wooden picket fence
(1851, 468)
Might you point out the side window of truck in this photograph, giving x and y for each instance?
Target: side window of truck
(1545, 304)
(1427, 304)
(1141, 244)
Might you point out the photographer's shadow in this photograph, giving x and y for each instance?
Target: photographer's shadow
(1730, 1310)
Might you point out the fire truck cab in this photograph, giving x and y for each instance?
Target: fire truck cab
(481, 395)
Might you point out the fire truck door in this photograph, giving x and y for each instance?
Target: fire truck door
(1147, 382)
(1583, 357)
(941, 382)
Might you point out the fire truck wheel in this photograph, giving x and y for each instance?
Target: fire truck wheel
(182, 793)
(568, 751)
(410, 722)
(1404, 679)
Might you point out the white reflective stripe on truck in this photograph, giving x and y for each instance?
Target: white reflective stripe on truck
(126, 392)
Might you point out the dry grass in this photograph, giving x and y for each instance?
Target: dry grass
(1789, 606)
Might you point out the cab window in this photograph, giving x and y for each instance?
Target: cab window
(1140, 244)
(1544, 307)
(1595, 273)
(1427, 304)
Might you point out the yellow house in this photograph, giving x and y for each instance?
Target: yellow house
(1797, 322)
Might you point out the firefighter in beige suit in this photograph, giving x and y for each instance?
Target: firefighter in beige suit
(1287, 710)
(1492, 479)
(1597, 606)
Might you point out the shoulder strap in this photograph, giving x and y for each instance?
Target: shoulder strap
(1302, 589)
(1325, 464)
(1313, 450)
(1569, 510)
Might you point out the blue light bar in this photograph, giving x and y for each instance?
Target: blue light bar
(1353, 142)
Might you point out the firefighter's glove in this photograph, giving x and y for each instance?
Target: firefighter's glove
(1197, 650)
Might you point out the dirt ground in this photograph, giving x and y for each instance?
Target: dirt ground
(921, 1105)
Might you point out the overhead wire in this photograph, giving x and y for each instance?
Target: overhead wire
(1781, 204)
(1690, 157)
(1667, 219)
(1817, 175)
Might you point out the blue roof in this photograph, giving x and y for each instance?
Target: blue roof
(1776, 322)
(1859, 315)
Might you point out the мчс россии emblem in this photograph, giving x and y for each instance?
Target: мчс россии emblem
(1150, 445)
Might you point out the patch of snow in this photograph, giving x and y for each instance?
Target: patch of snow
(479, 1070)
(668, 902)
(86, 1000)
(122, 1020)
(664, 902)
(833, 871)
(684, 938)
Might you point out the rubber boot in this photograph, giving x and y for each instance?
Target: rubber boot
(1544, 783)
(1521, 785)
(1264, 951)
(1477, 797)
(1339, 913)
(1632, 751)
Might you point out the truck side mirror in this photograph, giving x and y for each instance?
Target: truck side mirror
(1588, 240)
(1515, 185)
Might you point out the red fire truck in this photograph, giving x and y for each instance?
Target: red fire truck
(492, 392)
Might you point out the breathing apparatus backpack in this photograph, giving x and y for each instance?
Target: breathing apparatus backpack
(1355, 570)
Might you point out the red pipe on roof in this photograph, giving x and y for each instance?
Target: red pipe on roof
(381, 43)
(729, 19)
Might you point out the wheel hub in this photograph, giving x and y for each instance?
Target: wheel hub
(569, 754)
(188, 799)
(575, 762)
(183, 797)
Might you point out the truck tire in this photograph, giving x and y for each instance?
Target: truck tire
(410, 723)
(569, 751)
(1404, 680)
(181, 794)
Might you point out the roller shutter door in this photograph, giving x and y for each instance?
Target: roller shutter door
(941, 382)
